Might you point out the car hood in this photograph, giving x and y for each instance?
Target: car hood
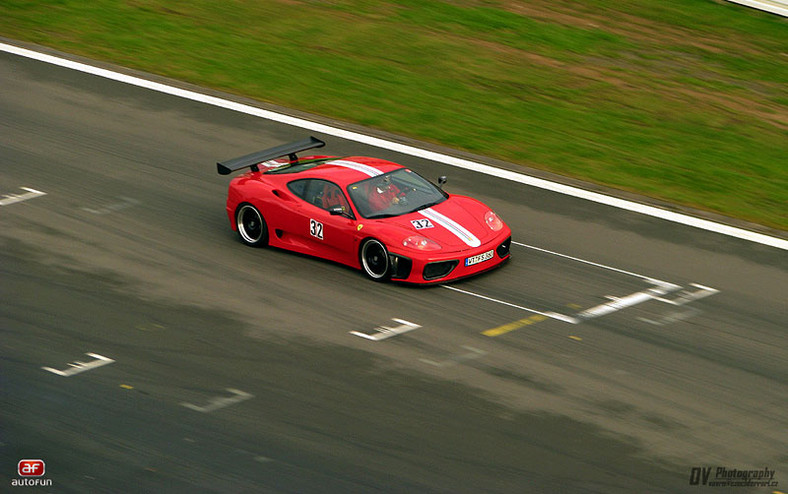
(456, 224)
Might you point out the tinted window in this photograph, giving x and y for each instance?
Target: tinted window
(298, 188)
(320, 193)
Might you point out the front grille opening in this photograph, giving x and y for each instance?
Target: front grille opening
(435, 270)
(400, 266)
(503, 249)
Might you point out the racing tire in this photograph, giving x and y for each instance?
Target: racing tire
(375, 260)
(251, 226)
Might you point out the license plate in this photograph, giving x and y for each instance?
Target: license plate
(480, 258)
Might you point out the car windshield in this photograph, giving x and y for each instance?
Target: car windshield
(393, 194)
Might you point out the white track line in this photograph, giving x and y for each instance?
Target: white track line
(14, 198)
(617, 304)
(661, 288)
(78, 367)
(595, 264)
(221, 402)
(552, 315)
(404, 149)
(779, 7)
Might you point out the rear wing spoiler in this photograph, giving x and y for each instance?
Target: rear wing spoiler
(254, 159)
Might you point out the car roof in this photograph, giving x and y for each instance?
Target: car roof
(347, 170)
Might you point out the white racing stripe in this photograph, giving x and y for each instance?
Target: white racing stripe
(405, 149)
(359, 167)
(451, 225)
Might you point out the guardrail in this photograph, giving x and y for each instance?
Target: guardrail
(779, 7)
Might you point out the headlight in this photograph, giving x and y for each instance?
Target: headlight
(493, 221)
(420, 243)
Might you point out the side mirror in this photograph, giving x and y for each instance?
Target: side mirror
(442, 181)
(337, 211)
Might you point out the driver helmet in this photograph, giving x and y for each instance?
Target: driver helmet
(384, 185)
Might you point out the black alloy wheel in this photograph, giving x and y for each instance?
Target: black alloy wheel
(375, 260)
(251, 226)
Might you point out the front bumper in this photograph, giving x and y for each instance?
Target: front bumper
(424, 269)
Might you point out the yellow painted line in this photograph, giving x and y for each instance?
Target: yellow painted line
(126, 386)
(506, 328)
(576, 338)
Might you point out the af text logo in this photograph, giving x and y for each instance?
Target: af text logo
(31, 468)
(31, 471)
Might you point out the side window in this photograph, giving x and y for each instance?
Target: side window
(298, 187)
(320, 193)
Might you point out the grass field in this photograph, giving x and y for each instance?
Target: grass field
(682, 100)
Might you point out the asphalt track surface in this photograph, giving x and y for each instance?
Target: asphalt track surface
(614, 353)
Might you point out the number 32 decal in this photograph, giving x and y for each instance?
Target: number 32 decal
(421, 224)
(316, 229)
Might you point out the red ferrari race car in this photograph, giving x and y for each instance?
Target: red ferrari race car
(367, 213)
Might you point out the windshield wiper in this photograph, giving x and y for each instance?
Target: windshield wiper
(429, 204)
(382, 215)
